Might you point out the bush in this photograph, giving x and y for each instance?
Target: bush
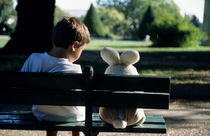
(170, 31)
(175, 35)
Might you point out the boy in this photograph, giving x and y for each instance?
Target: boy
(70, 37)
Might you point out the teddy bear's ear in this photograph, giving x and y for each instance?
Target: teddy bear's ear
(110, 55)
(129, 57)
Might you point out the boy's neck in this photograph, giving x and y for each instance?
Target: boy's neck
(59, 53)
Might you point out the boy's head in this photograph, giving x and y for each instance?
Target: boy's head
(70, 30)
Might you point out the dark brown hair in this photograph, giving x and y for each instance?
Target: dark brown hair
(69, 30)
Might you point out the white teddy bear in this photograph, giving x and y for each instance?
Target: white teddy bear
(121, 64)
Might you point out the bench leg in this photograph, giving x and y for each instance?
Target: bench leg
(77, 133)
(95, 133)
(92, 134)
(52, 133)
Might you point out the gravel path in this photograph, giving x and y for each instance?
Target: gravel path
(185, 118)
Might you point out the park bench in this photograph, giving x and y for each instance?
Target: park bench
(98, 90)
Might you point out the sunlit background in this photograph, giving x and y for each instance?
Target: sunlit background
(190, 7)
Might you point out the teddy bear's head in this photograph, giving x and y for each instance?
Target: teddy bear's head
(120, 64)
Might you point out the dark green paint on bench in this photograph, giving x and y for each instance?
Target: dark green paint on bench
(153, 124)
(131, 83)
(98, 90)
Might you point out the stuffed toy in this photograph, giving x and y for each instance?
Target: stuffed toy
(123, 65)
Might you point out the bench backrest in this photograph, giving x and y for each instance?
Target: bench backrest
(41, 88)
(99, 90)
(131, 91)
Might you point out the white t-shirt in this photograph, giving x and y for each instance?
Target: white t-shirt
(42, 62)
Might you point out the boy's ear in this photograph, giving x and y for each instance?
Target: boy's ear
(75, 45)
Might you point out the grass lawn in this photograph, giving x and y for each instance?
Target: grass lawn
(3, 41)
(185, 76)
(140, 46)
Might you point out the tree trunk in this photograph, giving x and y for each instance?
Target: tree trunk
(33, 31)
(206, 22)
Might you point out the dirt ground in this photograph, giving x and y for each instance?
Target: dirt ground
(184, 118)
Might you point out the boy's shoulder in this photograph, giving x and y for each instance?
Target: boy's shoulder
(39, 54)
(33, 55)
(36, 57)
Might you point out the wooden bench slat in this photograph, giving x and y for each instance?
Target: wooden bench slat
(142, 100)
(42, 80)
(75, 81)
(150, 119)
(29, 116)
(145, 128)
(97, 98)
(37, 125)
(154, 119)
(136, 83)
(42, 97)
(153, 124)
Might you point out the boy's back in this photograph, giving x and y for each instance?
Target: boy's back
(42, 62)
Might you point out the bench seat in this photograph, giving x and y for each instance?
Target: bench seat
(26, 121)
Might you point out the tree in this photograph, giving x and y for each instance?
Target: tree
(195, 21)
(120, 5)
(94, 23)
(116, 26)
(134, 10)
(59, 14)
(145, 24)
(33, 31)
(6, 11)
(206, 23)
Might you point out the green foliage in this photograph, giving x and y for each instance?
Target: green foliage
(59, 14)
(120, 5)
(114, 22)
(94, 23)
(162, 21)
(3, 41)
(169, 30)
(6, 12)
(168, 6)
(6, 9)
(133, 11)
